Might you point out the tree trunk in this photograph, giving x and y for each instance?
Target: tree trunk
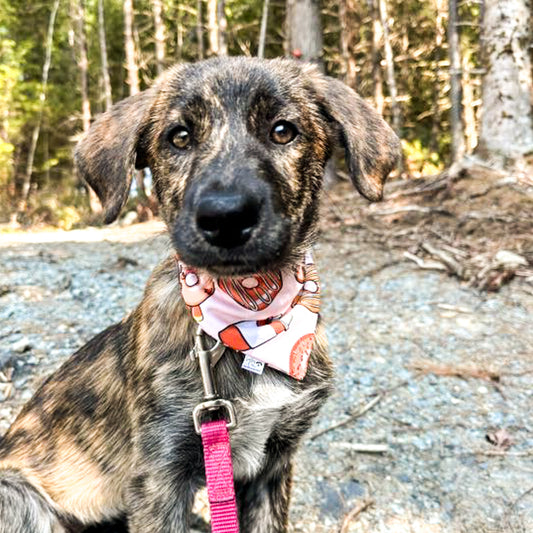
(129, 44)
(83, 62)
(469, 109)
(179, 34)
(103, 56)
(350, 68)
(456, 124)
(304, 30)
(78, 13)
(263, 31)
(506, 133)
(435, 110)
(132, 67)
(199, 29)
(212, 26)
(21, 205)
(222, 29)
(377, 75)
(157, 10)
(389, 63)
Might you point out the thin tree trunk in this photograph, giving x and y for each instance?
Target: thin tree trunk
(199, 29)
(212, 26)
(21, 205)
(439, 40)
(103, 56)
(133, 82)
(129, 44)
(157, 10)
(263, 31)
(377, 75)
(469, 110)
(304, 30)
(506, 132)
(222, 29)
(350, 69)
(78, 13)
(179, 34)
(389, 63)
(83, 62)
(454, 52)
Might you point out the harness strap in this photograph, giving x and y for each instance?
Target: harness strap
(219, 477)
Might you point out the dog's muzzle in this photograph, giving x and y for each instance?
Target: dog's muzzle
(226, 219)
(231, 229)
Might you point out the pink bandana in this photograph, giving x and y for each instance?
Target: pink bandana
(270, 317)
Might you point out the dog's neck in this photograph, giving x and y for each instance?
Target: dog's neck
(270, 317)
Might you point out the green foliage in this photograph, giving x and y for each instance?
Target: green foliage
(420, 159)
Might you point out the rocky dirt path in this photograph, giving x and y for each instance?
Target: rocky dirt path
(436, 367)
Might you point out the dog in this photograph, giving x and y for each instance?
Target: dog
(237, 148)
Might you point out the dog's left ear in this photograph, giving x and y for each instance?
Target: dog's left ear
(108, 154)
(372, 148)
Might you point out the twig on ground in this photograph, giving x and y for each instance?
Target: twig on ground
(445, 258)
(354, 513)
(503, 453)
(521, 497)
(351, 418)
(456, 308)
(378, 269)
(362, 447)
(458, 371)
(410, 209)
(426, 265)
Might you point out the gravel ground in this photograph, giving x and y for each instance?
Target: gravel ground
(440, 366)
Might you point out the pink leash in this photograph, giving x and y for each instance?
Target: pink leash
(219, 477)
(215, 440)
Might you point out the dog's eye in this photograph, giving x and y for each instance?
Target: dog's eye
(180, 137)
(283, 132)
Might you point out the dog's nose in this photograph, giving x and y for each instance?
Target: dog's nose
(226, 219)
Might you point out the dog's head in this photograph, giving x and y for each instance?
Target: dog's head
(237, 149)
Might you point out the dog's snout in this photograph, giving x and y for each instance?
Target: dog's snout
(226, 219)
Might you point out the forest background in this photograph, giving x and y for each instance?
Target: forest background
(453, 78)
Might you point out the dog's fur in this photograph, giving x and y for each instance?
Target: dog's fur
(110, 435)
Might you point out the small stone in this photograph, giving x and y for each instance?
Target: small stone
(22, 345)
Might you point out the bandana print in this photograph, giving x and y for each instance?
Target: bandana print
(271, 316)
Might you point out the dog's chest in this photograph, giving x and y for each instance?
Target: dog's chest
(258, 416)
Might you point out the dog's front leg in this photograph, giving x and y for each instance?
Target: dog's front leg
(264, 501)
(160, 502)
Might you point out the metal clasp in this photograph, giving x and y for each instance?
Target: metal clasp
(207, 359)
(210, 406)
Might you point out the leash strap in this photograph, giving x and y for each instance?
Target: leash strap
(219, 477)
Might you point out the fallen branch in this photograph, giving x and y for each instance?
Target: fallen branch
(351, 418)
(354, 513)
(445, 258)
(503, 453)
(426, 265)
(455, 308)
(457, 371)
(361, 447)
(411, 209)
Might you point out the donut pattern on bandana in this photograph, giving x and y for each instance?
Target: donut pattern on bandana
(269, 316)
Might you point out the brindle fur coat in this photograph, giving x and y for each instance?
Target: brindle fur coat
(241, 144)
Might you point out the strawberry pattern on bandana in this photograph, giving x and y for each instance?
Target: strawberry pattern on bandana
(270, 316)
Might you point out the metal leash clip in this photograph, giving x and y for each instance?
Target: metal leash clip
(208, 358)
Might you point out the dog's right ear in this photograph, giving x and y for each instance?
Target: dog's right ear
(372, 148)
(108, 154)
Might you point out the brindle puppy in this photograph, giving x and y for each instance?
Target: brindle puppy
(110, 435)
